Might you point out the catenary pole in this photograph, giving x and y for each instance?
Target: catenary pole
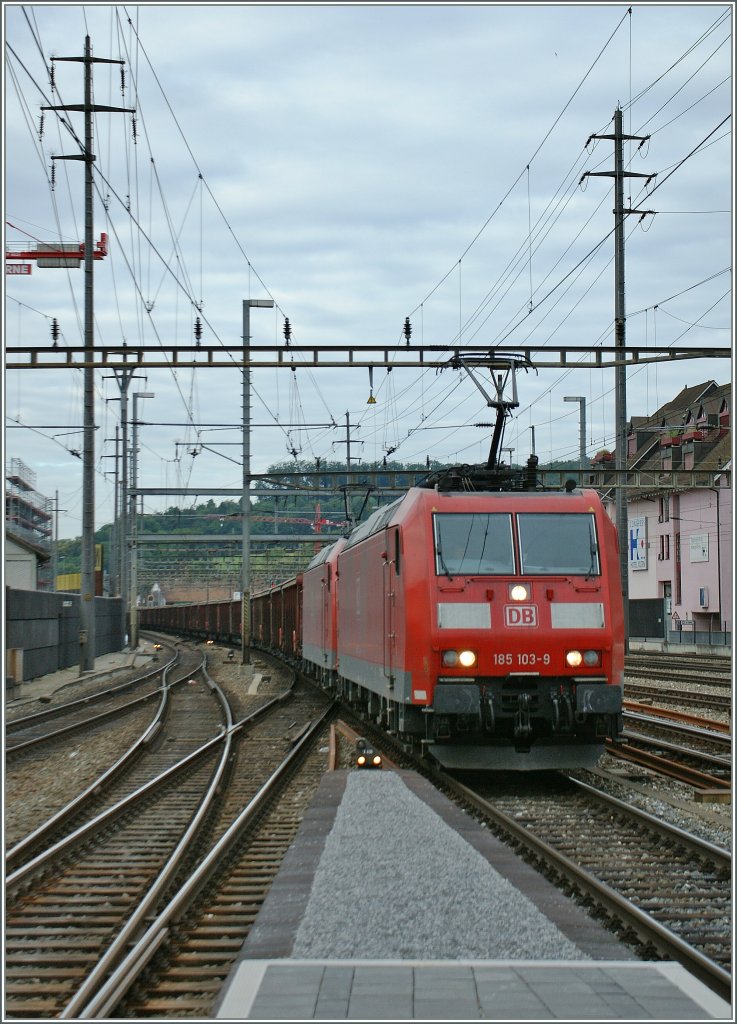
(87, 638)
(620, 369)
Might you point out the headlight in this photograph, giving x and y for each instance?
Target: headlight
(361, 760)
(574, 658)
(592, 658)
(451, 659)
(518, 592)
(377, 760)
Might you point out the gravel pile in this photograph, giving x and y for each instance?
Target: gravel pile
(395, 881)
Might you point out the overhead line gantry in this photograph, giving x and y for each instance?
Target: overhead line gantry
(21, 357)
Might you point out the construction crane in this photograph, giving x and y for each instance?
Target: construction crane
(52, 254)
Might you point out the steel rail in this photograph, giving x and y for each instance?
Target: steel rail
(14, 748)
(59, 709)
(706, 728)
(40, 834)
(126, 970)
(109, 815)
(691, 776)
(146, 907)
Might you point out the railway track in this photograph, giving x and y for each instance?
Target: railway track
(715, 672)
(708, 701)
(117, 875)
(185, 978)
(186, 718)
(656, 889)
(25, 733)
(694, 663)
(693, 750)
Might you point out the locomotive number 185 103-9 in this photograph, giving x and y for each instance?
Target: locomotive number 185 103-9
(521, 658)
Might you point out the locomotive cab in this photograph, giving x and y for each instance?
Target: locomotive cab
(528, 632)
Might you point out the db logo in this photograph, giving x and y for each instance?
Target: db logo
(520, 615)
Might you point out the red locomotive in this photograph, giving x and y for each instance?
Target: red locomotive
(486, 626)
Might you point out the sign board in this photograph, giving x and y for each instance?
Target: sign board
(520, 615)
(699, 547)
(638, 542)
(21, 269)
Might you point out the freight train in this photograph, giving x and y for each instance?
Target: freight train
(483, 626)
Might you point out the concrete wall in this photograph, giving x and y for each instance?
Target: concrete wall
(45, 626)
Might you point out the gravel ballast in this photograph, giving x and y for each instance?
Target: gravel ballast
(396, 882)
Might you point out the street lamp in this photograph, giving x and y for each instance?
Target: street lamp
(248, 305)
(133, 524)
(582, 435)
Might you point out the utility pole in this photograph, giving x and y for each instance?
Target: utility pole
(246, 488)
(87, 589)
(123, 378)
(348, 459)
(55, 559)
(620, 370)
(115, 532)
(134, 522)
(581, 431)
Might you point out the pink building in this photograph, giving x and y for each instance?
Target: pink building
(680, 555)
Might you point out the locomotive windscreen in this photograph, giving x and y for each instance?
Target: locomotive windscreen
(474, 544)
(555, 544)
(481, 544)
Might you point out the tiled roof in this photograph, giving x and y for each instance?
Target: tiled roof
(712, 454)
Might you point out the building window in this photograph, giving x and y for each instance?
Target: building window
(664, 509)
(664, 554)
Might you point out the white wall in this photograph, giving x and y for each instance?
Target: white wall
(20, 566)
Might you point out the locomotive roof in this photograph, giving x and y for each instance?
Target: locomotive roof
(375, 522)
(324, 553)
(386, 514)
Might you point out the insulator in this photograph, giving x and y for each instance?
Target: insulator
(134, 127)
(52, 77)
(198, 329)
(55, 329)
(53, 176)
(41, 126)
(407, 329)
(122, 79)
(287, 329)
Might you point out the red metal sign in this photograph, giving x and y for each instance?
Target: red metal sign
(18, 268)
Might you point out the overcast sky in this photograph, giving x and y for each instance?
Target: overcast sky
(359, 164)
